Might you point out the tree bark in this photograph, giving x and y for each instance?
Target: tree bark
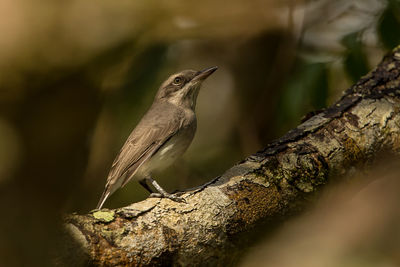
(270, 184)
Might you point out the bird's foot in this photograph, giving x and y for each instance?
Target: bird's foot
(169, 196)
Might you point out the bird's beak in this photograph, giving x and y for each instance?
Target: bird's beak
(203, 74)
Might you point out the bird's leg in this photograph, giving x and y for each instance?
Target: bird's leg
(162, 192)
(145, 185)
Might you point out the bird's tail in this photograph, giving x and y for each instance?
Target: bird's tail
(103, 198)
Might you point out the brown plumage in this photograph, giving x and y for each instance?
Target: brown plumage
(163, 134)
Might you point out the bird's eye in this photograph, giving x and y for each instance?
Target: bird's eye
(178, 80)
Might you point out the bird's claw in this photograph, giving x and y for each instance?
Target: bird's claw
(169, 196)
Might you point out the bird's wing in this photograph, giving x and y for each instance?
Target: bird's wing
(137, 150)
(145, 140)
(156, 127)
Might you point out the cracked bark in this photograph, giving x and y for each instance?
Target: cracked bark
(273, 183)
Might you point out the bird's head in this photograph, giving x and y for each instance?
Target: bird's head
(182, 88)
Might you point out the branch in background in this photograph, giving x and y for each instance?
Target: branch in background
(275, 182)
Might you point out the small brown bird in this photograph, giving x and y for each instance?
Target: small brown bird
(163, 134)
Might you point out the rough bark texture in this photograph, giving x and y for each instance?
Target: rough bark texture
(274, 182)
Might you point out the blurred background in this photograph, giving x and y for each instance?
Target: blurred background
(76, 77)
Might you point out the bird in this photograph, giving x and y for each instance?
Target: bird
(162, 135)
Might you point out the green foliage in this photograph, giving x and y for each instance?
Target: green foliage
(140, 81)
(144, 68)
(306, 91)
(355, 59)
(388, 27)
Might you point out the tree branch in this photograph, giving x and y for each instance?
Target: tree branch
(274, 182)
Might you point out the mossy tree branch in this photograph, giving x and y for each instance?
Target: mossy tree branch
(272, 183)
